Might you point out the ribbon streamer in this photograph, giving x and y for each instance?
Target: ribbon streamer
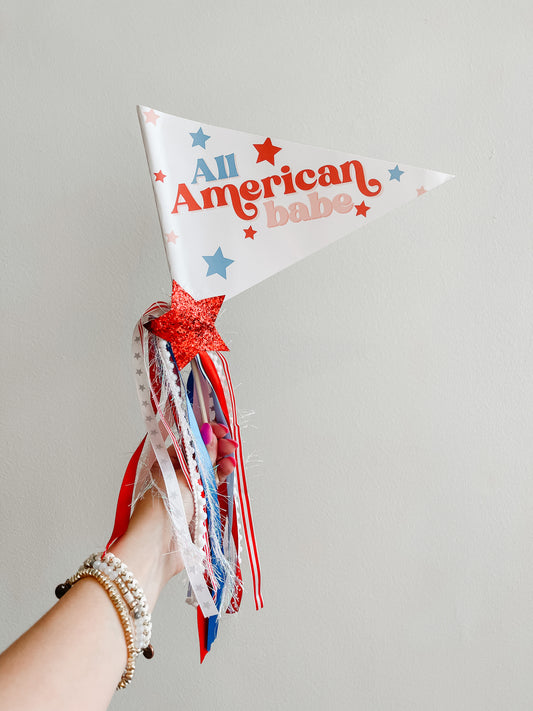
(168, 399)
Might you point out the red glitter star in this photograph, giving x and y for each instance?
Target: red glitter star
(266, 151)
(362, 209)
(189, 326)
(249, 232)
(160, 176)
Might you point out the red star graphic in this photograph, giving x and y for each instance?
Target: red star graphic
(160, 176)
(362, 209)
(189, 325)
(420, 191)
(266, 151)
(249, 232)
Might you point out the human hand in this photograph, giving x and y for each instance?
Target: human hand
(148, 547)
(220, 450)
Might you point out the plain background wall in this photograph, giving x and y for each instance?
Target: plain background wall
(389, 376)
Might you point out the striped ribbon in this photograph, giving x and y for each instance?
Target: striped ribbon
(231, 416)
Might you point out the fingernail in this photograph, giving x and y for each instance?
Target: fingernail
(223, 427)
(206, 432)
(232, 460)
(232, 441)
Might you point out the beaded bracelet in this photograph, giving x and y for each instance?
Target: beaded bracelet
(129, 600)
(122, 612)
(133, 596)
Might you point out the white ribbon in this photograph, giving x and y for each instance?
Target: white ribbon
(193, 558)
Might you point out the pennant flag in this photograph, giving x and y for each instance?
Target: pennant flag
(236, 208)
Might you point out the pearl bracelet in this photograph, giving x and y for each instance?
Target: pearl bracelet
(129, 601)
(133, 595)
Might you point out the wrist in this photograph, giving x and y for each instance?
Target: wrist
(146, 547)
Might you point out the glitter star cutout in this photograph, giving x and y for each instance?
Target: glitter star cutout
(266, 151)
(396, 173)
(189, 326)
(362, 209)
(249, 232)
(151, 116)
(199, 138)
(160, 176)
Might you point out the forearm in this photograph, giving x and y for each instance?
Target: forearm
(73, 657)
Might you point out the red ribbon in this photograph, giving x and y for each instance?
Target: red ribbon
(125, 496)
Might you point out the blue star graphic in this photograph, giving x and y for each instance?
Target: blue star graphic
(199, 138)
(218, 263)
(396, 173)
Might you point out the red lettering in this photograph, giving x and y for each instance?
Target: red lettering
(328, 175)
(183, 191)
(360, 178)
(300, 182)
(276, 179)
(220, 192)
(287, 179)
(250, 190)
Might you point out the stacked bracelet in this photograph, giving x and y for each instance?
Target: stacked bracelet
(134, 597)
(128, 599)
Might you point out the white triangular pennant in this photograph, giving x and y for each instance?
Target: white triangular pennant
(236, 208)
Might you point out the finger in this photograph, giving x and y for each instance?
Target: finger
(219, 429)
(225, 447)
(224, 467)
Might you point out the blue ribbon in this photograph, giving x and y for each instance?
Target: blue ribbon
(214, 527)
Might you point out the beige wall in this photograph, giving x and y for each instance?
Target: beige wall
(390, 376)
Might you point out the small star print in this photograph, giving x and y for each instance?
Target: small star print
(171, 237)
(199, 138)
(362, 209)
(249, 232)
(266, 151)
(160, 176)
(218, 263)
(145, 403)
(139, 372)
(141, 387)
(137, 339)
(151, 116)
(396, 173)
(137, 356)
(421, 190)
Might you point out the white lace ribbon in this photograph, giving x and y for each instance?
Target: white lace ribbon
(193, 558)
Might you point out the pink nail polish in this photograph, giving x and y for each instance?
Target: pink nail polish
(206, 432)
